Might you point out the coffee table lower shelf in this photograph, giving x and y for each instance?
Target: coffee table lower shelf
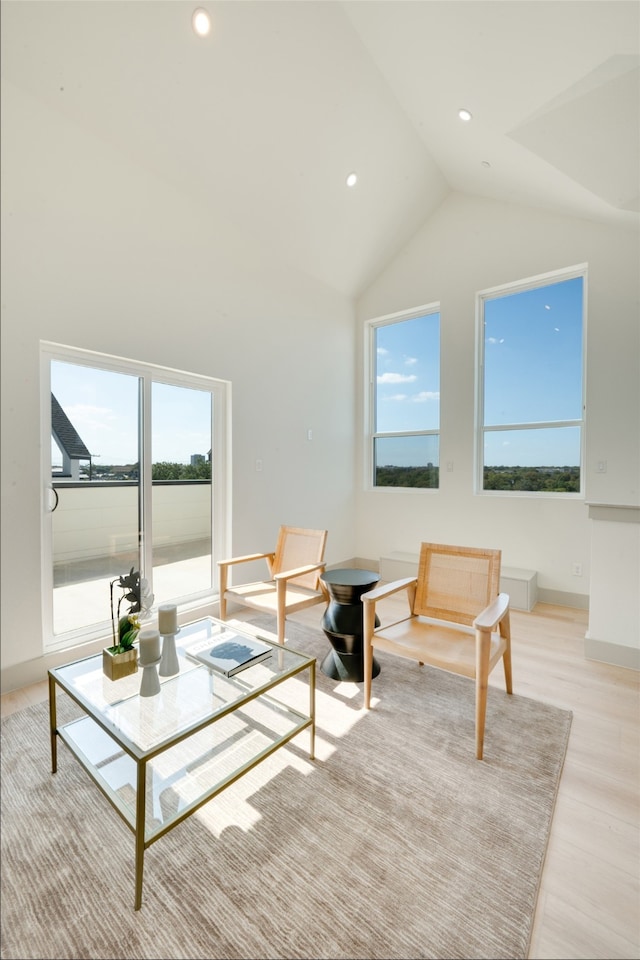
(155, 790)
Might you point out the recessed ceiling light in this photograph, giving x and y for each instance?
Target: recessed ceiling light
(464, 115)
(352, 179)
(201, 22)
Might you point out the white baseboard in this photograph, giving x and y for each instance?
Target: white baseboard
(614, 653)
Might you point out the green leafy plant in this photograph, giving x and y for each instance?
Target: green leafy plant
(125, 626)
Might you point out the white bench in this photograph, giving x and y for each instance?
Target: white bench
(521, 585)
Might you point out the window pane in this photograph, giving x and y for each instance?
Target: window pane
(408, 375)
(95, 523)
(406, 461)
(545, 460)
(533, 355)
(182, 508)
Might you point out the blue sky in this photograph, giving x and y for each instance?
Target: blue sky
(408, 375)
(103, 406)
(533, 355)
(533, 373)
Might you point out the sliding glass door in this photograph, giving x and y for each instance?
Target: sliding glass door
(134, 475)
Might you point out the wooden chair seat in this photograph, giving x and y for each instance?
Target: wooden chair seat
(265, 593)
(458, 621)
(439, 646)
(293, 582)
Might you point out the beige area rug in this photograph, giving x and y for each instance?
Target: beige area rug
(394, 843)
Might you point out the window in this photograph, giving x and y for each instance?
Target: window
(531, 381)
(134, 468)
(404, 400)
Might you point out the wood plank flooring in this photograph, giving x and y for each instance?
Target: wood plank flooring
(589, 901)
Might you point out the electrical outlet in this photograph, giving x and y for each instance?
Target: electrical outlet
(258, 465)
(577, 569)
(602, 466)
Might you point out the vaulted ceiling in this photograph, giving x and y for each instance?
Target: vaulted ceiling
(260, 122)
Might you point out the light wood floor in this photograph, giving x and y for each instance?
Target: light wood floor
(589, 902)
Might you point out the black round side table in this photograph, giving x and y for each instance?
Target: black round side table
(342, 623)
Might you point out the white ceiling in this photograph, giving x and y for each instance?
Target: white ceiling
(260, 123)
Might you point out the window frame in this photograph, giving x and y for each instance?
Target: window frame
(370, 399)
(482, 296)
(221, 486)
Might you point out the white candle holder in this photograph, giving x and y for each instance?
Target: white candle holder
(168, 618)
(150, 683)
(148, 646)
(169, 663)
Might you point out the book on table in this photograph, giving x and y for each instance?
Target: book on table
(229, 652)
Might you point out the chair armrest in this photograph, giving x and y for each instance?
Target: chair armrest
(493, 614)
(248, 557)
(299, 571)
(388, 589)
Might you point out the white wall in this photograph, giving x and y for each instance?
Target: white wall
(470, 245)
(614, 603)
(99, 254)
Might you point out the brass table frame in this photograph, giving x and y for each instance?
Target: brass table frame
(289, 664)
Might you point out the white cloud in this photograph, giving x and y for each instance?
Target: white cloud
(397, 378)
(410, 361)
(495, 340)
(382, 352)
(425, 395)
(87, 417)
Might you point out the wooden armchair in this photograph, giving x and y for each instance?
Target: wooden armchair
(294, 576)
(455, 610)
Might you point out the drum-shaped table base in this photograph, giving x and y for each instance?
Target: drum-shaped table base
(342, 624)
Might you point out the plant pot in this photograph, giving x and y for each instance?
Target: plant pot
(115, 666)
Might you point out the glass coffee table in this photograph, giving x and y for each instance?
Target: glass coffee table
(157, 759)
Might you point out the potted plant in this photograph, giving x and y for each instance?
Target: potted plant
(121, 658)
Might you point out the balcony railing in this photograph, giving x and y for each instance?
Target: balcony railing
(95, 538)
(96, 521)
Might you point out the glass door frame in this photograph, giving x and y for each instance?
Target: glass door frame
(221, 473)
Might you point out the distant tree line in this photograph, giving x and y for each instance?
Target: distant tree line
(545, 479)
(163, 470)
(201, 470)
(390, 476)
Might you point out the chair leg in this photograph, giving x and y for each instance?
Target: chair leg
(368, 626)
(505, 633)
(483, 646)
(222, 586)
(281, 598)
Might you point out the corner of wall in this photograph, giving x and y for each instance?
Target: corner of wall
(615, 654)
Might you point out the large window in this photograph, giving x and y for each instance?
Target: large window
(134, 467)
(531, 385)
(404, 399)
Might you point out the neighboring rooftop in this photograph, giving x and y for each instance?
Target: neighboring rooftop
(68, 439)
